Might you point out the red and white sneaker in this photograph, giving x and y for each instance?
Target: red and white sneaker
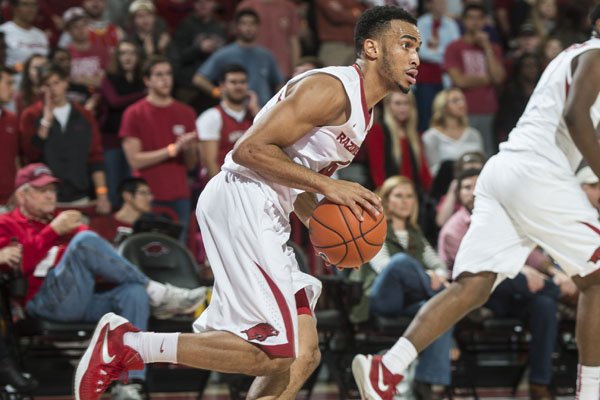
(374, 380)
(106, 358)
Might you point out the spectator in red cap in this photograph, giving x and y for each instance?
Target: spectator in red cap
(61, 258)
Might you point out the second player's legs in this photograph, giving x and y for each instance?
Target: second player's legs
(287, 384)
(588, 325)
(440, 313)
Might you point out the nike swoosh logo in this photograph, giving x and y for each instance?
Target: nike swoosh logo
(106, 358)
(162, 349)
(381, 386)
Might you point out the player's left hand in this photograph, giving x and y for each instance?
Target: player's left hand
(354, 196)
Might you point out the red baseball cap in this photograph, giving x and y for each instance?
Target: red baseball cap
(37, 175)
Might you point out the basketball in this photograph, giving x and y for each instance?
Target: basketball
(341, 239)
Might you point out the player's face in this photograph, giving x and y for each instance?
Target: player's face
(456, 105)
(160, 81)
(399, 106)
(400, 59)
(592, 192)
(235, 87)
(466, 192)
(401, 202)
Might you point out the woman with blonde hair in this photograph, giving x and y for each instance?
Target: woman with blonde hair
(399, 141)
(450, 135)
(404, 275)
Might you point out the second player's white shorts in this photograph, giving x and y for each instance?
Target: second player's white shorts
(522, 199)
(256, 273)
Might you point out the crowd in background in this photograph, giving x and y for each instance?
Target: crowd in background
(98, 91)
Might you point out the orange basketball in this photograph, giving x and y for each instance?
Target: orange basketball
(341, 239)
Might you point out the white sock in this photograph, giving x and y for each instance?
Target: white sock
(400, 356)
(588, 383)
(153, 347)
(156, 292)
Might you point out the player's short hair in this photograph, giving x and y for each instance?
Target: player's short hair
(232, 69)
(151, 62)
(246, 12)
(473, 6)
(46, 71)
(131, 185)
(375, 20)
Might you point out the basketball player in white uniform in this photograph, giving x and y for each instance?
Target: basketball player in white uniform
(260, 319)
(525, 195)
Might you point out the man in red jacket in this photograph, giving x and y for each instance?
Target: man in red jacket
(61, 258)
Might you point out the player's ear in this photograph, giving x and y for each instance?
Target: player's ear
(371, 49)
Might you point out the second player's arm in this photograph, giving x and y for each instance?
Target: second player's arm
(315, 101)
(580, 98)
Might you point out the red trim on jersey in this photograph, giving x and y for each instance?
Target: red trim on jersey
(363, 99)
(285, 349)
(567, 87)
(302, 303)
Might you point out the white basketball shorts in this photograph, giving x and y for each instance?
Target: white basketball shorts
(522, 199)
(257, 278)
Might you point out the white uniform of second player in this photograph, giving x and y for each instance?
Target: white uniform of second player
(528, 193)
(256, 273)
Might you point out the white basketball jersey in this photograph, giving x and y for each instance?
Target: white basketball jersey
(324, 149)
(542, 129)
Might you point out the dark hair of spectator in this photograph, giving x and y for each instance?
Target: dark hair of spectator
(49, 70)
(232, 69)
(246, 12)
(473, 6)
(7, 70)
(375, 20)
(151, 62)
(131, 185)
(27, 84)
(316, 61)
(115, 67)
(467, 173)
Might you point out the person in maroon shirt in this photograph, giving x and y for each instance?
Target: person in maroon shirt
(9, 139)
(221, 126)
(159, 140)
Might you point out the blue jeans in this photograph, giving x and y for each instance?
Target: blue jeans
(513, 298)
(424, 95)
(182, 208)
(67, 293)
(116, 169)
(400, 290)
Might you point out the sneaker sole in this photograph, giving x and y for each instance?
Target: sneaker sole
(359, 366)
(189, 310)
(114, 320)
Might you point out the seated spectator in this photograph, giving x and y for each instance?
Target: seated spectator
(159, 140)
(531, 296)
(122, 86)
(21, 37)
(449, 134)
(61, 260)
(405, 274)
(145, 31)
(9, 140)
(398, 140)
(221, 126)
(137, 201)
(66, 137)
(263, 73)
(88, 60)
(30, 88)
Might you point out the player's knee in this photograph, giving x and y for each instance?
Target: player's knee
(275, 366)
(474, 289)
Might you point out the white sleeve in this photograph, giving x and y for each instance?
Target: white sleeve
(381, 259)
(209, 124)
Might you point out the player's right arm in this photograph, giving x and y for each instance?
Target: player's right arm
(580, 98)
(317, 100)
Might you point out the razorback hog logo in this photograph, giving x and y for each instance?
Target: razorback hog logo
(595, 257)
(261, 332)
(155, 249)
